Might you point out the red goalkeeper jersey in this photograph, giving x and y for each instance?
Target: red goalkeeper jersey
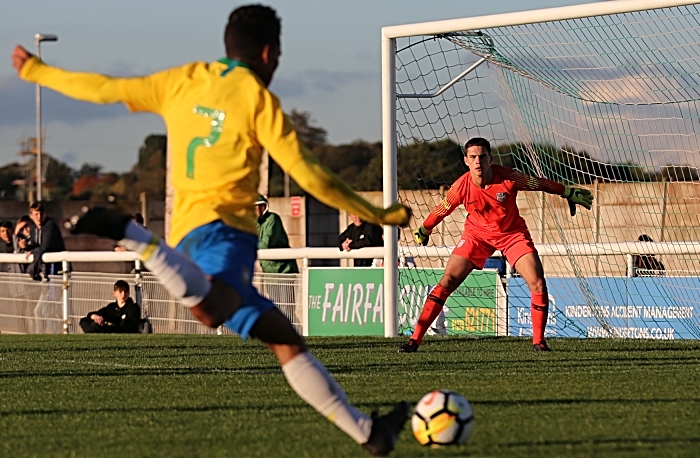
(492, 209)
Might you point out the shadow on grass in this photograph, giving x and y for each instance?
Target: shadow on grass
(634, 443)
(119, 371)
(543, 402)
(279, 409)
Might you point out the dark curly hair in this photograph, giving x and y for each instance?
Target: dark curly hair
(249, 29)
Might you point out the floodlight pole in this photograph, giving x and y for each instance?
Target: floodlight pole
(38, 38)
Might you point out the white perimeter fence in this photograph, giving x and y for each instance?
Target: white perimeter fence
(56, 306)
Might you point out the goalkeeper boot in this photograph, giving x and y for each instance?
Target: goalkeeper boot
(386, 429)
(409, 347)
(100, 221)
(542, 346)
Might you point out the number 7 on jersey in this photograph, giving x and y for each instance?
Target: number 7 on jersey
(217, 123)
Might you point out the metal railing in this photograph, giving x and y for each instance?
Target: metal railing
(57, 304)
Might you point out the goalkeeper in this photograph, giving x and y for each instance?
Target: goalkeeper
(489, 193)
(220, 116)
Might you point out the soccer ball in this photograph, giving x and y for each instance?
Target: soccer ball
(442, 417)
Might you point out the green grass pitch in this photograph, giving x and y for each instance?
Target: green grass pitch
(215, 396)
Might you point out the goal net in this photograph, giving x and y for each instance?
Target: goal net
(599, 96)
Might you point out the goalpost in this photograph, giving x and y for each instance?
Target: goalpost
(602, 95)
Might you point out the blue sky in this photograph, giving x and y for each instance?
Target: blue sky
(330, 65)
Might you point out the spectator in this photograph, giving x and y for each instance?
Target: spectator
(6, 232)
(20, 241)
(22, 233)
(6, 245)
(646, 265)
(121, 316)
(45, 238)
(360, 234)
(271, 234)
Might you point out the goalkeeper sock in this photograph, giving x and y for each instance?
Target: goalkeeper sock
(177, 272)
(539, 308)
(431, 309)
(312, 382)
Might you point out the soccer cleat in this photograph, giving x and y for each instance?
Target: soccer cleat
(542, 346)
(386, 429)
(102, 222)
(409, 347)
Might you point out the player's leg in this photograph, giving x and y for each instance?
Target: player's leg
(471, 252)
(529, 266)
(176, 271)
(212, 247)
(315, 385)
(260, 318)
(457, 269)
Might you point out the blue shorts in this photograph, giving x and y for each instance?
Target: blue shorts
(229, 254)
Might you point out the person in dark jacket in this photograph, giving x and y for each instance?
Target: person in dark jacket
(6, 231)
(358, 235)
(646, 265)
(121, 316)
(45, 237)
(6, 245)
(271, 234)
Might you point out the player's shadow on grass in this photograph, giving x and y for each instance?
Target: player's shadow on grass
(279, 409)
(543, 402)
(635, 443)
(143, 371)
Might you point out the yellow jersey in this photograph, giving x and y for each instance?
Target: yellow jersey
(219, 118)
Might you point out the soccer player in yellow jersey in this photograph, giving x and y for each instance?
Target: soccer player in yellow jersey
(219, 117)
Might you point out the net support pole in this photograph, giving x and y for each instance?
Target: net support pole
(389, 180)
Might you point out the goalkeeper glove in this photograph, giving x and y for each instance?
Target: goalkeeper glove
(422, 235)
(577, 196)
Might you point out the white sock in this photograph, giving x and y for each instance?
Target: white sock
(312, 382)
(177, 272)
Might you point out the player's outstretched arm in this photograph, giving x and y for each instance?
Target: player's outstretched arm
(330, 189)
(577, 196)
(88, 87)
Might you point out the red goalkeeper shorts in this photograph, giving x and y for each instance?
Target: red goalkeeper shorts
(480, 246)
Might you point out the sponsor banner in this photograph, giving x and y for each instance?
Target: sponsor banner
(663, 308)
(345, 302)
(470, 310)
(350, 301)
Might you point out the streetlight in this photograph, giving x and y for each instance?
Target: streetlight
(38, 38)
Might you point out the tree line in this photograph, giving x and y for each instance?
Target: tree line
(421, 165)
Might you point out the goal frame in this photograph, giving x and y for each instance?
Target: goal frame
(390, 34)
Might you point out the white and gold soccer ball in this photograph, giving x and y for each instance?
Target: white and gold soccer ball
(442, 417)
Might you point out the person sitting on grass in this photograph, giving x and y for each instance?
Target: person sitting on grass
(122, 316)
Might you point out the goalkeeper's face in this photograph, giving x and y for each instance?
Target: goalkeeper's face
(478, 160)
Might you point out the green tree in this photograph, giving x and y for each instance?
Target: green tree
(310, 135)
(8, 174)
(429, 165)
(59, 177)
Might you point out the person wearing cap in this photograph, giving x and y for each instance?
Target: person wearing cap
(271, 234)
